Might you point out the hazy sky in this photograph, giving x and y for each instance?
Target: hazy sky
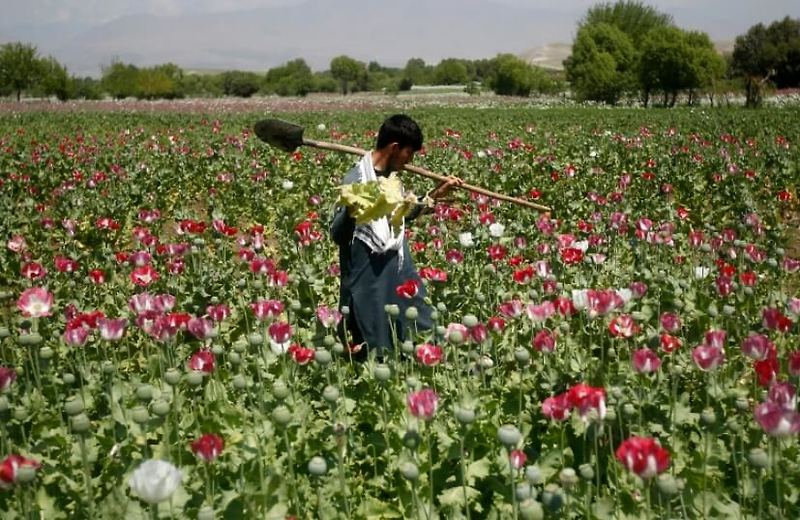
(90, 12)
(241, 34)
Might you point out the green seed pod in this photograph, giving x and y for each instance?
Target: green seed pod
(195, 378)
(140, 415)
(144, 392)
(712, 310)
(258, 285)
(30, 339)
(615, 392)
(523, 491)
(708, 416)
(255, 339)
(489, 269)
(172, 376)
(323, 357)
(217, 350)
(706, 248)
(509, 435)
(160, 407)
(68, 379)
(345, 310)
(523, 356)
(4, 404)
(412, 313)
(586, 471)
(772, 262)
(407, 347)
(108, 368)
(295, 305)
(441, 307)
(667, 485)
(25, 474)
(338, 348)
(732, 425)
(4, 332)
(46, 353)
(392, 310)
(465, 415)
(533, 475)
(382, 372)
(441, 331)
(412, 383)
(410, 471)
(317, 466)
(328, 340)
(568, 478)
(552, 498)
(469, 320)
(742, 403)
(455, 337)
(628, 410)
(531, 510)
(411, 439)
(728, 310)
(779, 251)
(434, 314)
(280, 390)
(748, 291)
(758, 458)
(73, 406)
(235, 359)
(239, 382)
(281, 415)
(611, 414)
(206, 513)
(240, 345)
(80, 423)
(198, 242)
(330, 394)
(20, 413)
(480, 297)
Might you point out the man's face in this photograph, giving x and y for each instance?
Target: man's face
(400, 157)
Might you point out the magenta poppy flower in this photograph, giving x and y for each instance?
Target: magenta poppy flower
(645, 361)
(208, 447)
(429, 355)
(643, 456)
(423, 404)
(202, 361)
(35, 302)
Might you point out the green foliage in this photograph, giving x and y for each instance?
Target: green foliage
(120, 80)
(86, 88)
(55, 81)
(291, 79)
(768, 54)
(633, 18)
(240, 84)
(348, 71)
(20, 68)
(602, 65)
(512, 76)
(416, 72)
(450, 71)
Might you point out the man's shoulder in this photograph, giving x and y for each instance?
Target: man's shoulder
(352, 175)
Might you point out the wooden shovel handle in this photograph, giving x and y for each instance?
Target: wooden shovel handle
(429, 174)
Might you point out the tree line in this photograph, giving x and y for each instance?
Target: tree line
(622, 52)
(629, 50)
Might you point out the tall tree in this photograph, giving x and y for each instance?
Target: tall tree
(20, 67)
(120, 79)
(54, 79)
(347, 70)
(450, 71)
(766, 54)
(602, 64)
(631, 17)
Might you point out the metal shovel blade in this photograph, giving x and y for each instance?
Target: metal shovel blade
(282, 134)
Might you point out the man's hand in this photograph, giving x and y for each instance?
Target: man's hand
(444, 188)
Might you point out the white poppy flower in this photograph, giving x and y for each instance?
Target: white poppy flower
(155, 481)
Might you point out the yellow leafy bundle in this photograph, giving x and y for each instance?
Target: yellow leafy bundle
(376, 199)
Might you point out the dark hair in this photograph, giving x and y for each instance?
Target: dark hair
(402, 130)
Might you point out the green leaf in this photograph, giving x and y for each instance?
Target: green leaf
(373, 508)
(454, 497)
(603, 508)
(478, 469)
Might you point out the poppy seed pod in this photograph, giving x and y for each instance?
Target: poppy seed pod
(410, 471)
(509, 435)
(317, 466)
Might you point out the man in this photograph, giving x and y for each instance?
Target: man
(374, 258)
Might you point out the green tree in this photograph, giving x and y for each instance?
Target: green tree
(602, 66)
(632, 18)
(152, 83)
(119, 79)
(347, 71)
(416, 72)
(768, 53)
(708, 66)
(54, 79)
(512, 76)
(450, 71)
(86, 88)
(291, 79)
(20, 67)
(239, 83)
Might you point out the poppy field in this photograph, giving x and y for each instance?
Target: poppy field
(169, 302)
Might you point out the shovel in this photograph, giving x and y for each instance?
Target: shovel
(288, 137)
